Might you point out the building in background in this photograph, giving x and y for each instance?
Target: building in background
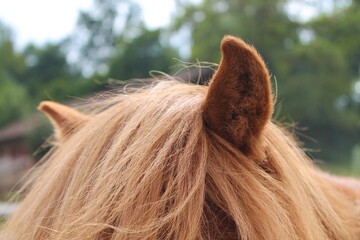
(15, 152)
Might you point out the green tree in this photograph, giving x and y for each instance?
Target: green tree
(99, 30)
(13, 96)
(264, 24)
(14, 101)
(12, 63)
(49, 75)
(43, 65)
(342, 29)
(144, 53)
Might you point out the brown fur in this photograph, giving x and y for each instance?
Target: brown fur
(64, 119)
(158, 164)
(239, 102)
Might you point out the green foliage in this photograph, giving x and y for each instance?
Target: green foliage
(99, 31)
(261, 23)
(13, 96)
(342, 29)
(316, 76)
(143, 54)
(46, 67)
(12, 63)
(13, 101)
(355, 158)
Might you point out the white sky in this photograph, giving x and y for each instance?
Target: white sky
(41, 21)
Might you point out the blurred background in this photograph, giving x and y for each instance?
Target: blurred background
(67, 50)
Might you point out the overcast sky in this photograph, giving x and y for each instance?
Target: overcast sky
(34, 20)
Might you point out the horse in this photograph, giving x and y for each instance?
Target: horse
(176, 160)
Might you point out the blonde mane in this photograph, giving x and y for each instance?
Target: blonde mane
(147, 165)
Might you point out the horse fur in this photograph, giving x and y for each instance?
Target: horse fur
(180, 161)
(64, 119)
(239, 101)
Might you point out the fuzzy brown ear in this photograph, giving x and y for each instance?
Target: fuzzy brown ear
(239, 100)
(64, 119)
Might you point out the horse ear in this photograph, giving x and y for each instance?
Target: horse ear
(239, 101)
(64, 119)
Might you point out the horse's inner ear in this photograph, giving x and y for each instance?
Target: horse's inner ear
(239, 101)
(64, 119)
